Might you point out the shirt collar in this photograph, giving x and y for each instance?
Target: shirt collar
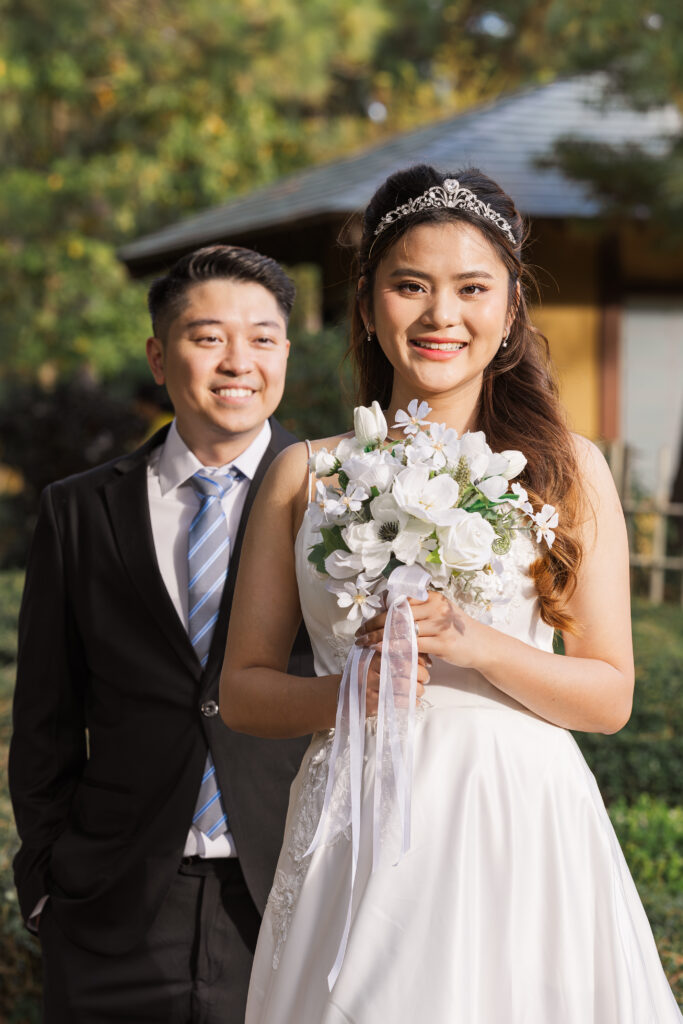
(177, 463)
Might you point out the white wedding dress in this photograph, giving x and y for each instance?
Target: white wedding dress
(514, 904)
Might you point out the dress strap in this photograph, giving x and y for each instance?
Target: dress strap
(311, 474)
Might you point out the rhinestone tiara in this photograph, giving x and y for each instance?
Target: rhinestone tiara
(451, 196)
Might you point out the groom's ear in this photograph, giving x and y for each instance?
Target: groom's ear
(155, 357)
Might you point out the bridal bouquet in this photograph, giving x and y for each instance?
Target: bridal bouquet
(433, 500)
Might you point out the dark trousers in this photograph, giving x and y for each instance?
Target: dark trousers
(192, 968)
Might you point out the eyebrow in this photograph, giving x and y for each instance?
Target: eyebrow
(399, 271)
(207, 322)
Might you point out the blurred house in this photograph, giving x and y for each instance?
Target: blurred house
(611, 295)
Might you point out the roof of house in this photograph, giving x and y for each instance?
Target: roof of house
(504, 138)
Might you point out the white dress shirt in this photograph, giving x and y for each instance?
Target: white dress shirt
(173, 504)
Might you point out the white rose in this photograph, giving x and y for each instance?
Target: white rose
(323, 463)
(372, 469)
(516, 463)
(369, 425)
(466, 543)
(347, 448)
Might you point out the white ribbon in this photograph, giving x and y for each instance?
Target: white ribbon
(393, 767)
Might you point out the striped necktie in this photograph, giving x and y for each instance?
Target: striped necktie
(208, 554)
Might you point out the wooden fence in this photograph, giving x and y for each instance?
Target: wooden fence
(652, 541)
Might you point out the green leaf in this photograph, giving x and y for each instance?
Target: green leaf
(332, 539)
(317, 556)
(434, 558)
(343, 479)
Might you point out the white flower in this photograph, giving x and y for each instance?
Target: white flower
(372, 469)
(347, 448)
(411, 421)
(412, 541)
(446, 443)
(342, 564)
(497, 466)
(466, 543)
(351, 501)
(522, 502)
(364, 540)
(494, 487)
(405, 534)
(439, 447)
(385, 510)
(420, 452)
(429, 500)
(321, 509)
(545, 522)
(323, 463)
(357, 597)
(477, 452)
(369, 425)
(516, 463)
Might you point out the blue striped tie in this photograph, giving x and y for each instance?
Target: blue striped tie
(208, 555)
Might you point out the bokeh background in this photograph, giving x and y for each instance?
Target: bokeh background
(130, 133)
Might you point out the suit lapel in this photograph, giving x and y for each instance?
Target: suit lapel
(128, 504)
(280, 439)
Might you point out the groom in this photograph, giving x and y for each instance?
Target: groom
(149, 830)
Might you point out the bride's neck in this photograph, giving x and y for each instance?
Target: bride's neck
(458, 412)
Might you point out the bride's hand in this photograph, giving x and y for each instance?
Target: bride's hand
(372, 695)
(443, 630)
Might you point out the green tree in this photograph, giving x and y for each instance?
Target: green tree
(116, 118)
(639, 46)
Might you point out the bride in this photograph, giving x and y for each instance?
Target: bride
(513, 902)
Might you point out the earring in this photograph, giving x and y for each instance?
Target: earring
(505, 340)
(368, 332)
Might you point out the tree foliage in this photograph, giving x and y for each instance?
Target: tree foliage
(640, 46)
(117, 118)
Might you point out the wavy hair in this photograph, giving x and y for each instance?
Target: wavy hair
(519, 405)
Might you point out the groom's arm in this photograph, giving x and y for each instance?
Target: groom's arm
(48, 748)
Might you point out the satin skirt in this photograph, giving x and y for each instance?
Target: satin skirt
(514, 904)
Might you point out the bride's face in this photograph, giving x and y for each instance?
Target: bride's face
(440, 308)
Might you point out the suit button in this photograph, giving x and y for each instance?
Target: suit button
(209, 709)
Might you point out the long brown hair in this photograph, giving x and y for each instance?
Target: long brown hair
(519, 405)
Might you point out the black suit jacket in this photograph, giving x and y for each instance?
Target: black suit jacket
(110, 725)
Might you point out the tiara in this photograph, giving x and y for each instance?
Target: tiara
(451, 196)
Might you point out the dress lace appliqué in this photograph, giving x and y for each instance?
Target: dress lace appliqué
(294, 862)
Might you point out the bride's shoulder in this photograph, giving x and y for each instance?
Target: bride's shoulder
(592, 465)
(288, 474)
(600, 497)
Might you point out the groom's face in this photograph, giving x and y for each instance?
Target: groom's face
(223, 361)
